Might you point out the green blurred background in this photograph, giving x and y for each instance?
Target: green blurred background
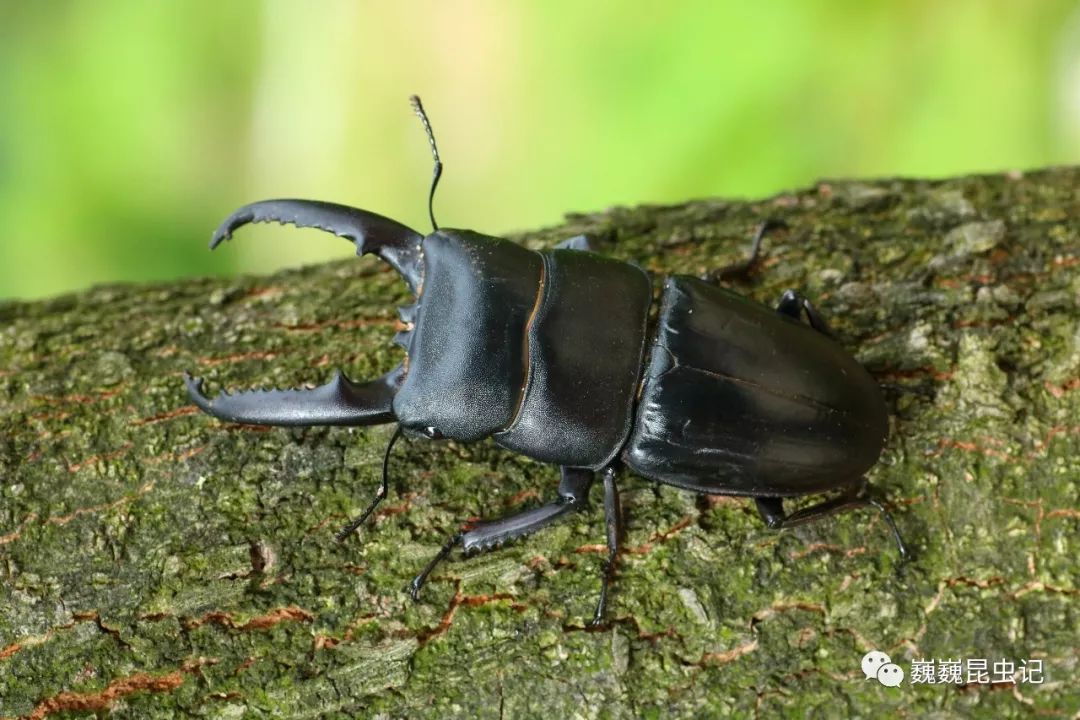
(129, 129)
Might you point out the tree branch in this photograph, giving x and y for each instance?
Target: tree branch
(160, 563)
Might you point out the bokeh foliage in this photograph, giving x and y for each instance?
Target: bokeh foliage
(127, 130)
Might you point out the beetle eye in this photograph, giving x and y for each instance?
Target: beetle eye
(431, 433)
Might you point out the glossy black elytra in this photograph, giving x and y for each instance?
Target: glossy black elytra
(551, 354)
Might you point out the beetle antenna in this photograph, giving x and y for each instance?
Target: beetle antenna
(419, 110)
(384, 488)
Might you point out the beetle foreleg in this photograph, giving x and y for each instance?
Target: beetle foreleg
(772, 512)
(573, 493)
(613, 525)
(419, 580)
(380, 494)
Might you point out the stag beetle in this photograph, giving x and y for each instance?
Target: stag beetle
(553, 355)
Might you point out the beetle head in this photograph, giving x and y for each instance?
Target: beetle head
(340, 402)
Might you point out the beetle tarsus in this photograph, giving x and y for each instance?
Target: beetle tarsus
(901, 546)
(419, 580)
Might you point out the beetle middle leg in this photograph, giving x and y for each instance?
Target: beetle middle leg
(772, 511)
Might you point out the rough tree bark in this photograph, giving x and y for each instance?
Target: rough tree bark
(156, 562)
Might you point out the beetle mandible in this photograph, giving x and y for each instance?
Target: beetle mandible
(553, 355)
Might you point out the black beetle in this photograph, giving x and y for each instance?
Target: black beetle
(553, 355)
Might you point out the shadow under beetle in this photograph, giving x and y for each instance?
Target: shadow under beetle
(552, 355)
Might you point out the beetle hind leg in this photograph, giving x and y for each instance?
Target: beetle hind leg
(772, 512)
(793, 305)
(613, 526)
(572, 495)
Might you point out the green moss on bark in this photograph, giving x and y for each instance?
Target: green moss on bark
(157, 562)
